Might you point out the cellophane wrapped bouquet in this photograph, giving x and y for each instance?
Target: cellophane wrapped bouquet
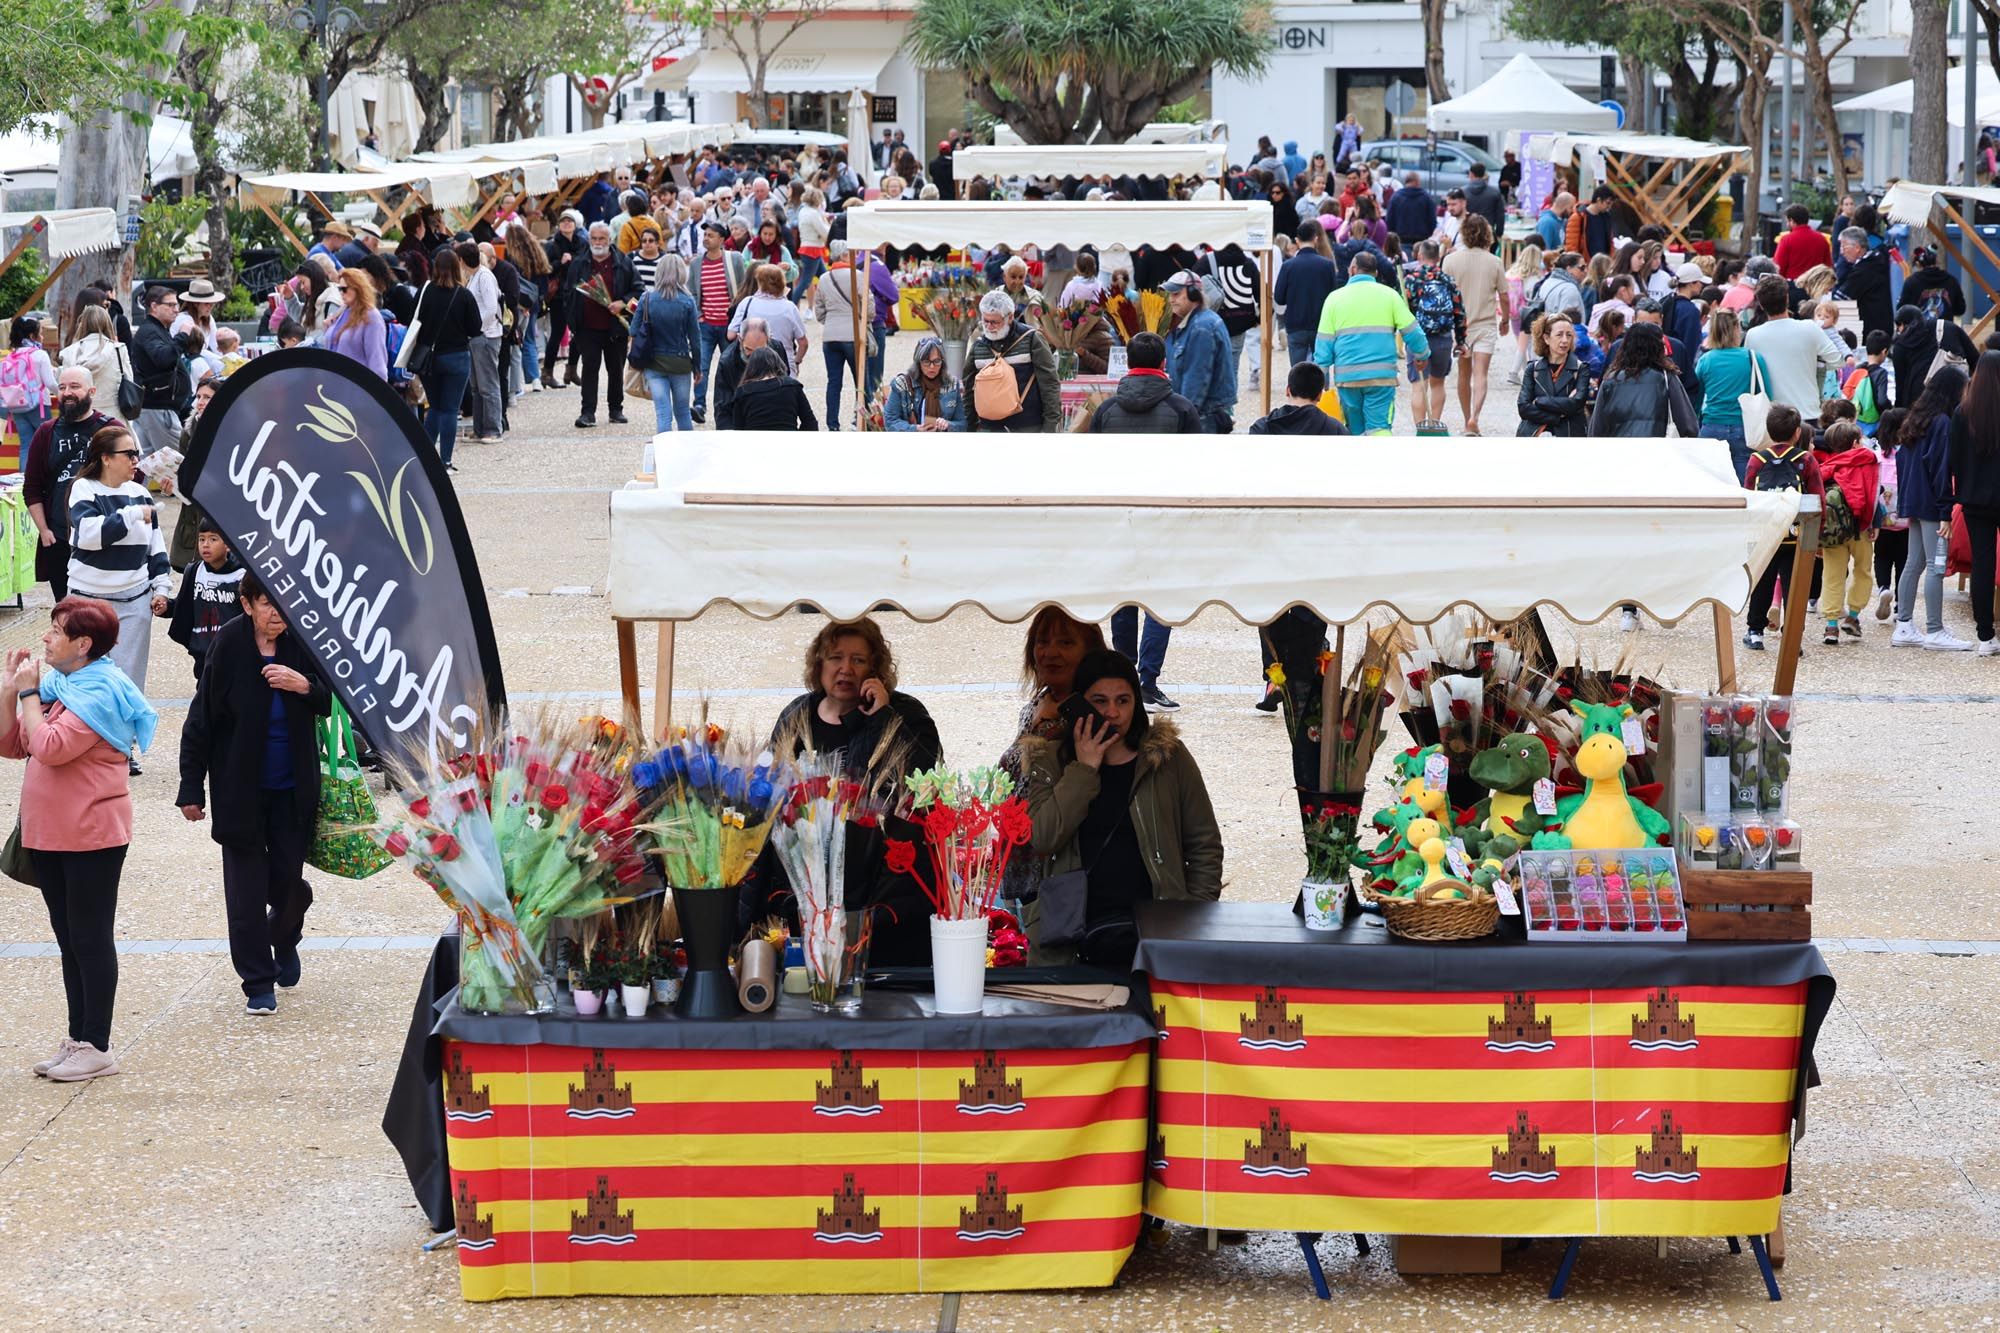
(716, 798)
(972, 823)
(535, 827)
(810, 838)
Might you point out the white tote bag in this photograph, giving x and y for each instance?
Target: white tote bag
(412, 333)
(1756, 408)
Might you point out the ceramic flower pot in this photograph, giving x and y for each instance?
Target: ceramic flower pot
(708, 925)
(666, 989)
(588, 1002)
(1325, 903)
(636, 999)
(958, 964)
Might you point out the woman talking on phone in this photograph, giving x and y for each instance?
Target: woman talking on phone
(851, 705)
(1121, 816)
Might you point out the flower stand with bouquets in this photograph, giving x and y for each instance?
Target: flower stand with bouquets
(1067, 328)
(537, 826)
(973, 822)
(717, 798)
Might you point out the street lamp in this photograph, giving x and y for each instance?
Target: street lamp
(322, 23)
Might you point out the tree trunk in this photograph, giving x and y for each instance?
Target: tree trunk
(1752, 101)
(429, 88)
(1928, 112)
(1434, 51)
(1638, 94)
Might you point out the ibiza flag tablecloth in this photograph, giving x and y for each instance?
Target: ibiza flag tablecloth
(791, 1153)
(1355, 1082)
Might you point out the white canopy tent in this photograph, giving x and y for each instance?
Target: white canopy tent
(765, 521)
(1667, 180)
(442, 186)
(1521, 97)
(1189, 159)
(67, 233)
(585, 153)
(1900, 98)
(792, 138)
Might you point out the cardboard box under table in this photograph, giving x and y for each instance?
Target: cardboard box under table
(901, 1151)
(1353, 1082)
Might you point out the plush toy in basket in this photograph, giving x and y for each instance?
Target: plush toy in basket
(1431, 904)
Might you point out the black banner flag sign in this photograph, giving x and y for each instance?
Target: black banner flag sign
(318, 477)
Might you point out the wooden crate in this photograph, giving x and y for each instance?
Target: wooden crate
(1710, 894)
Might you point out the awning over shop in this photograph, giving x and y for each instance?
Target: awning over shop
(538, 174)
(762, 521)
(72, 231)
(1521, 97)
(931, 223)
(443, 186)
(819, 72)
(1189, 159)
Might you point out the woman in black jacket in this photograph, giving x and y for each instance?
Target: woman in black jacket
(1929, 277)
(447, 321)
(1642, 391)
(769, 399)
(1555, 388)
(249, 735)
(1973, 452)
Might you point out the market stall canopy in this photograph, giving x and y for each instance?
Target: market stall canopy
(931, 223)
(444, 187)
(715, 71)
(588, 152)
(1910, 203)
(71, 232)
(793, 138)
(538, 174)
(764, 520)
(1902, 97)
(1521, 97)
(1665, 147)
(1146, 159)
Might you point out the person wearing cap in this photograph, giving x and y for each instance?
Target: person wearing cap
(1931, 289)
(562, 248)
(367, 241)
(1358, 331)
(332, 236)
(1680, 309)
(1198, 359)
(1866, 282)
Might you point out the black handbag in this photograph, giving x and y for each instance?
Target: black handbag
(131, 393)
(15, 862)
(1065, 900)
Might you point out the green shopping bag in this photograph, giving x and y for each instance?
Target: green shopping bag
(345, 805)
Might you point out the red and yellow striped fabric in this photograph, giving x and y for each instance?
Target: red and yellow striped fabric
(1651, 1112)
(684, 1172)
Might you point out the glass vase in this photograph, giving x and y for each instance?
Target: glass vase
(836, 950)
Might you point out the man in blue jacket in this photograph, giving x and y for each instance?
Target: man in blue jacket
(1198, 359)
(1295, 164)
(1413, 211)
(1304, 282)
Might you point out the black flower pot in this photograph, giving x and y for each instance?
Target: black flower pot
(708, 925)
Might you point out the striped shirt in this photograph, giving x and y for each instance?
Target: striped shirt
(112, 552)
(645, 269)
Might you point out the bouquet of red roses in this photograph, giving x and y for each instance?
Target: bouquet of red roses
(595, 290)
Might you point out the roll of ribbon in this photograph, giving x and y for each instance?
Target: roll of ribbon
(757, 976)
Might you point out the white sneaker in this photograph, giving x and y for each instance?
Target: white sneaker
(1906, 635)
(1988, 648)
(1628, 621)
(1944, 641)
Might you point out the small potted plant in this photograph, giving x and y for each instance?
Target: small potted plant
(666, 973)
(635, 979)
(589, 974)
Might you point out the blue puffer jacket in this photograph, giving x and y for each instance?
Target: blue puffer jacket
(1923, 474)
(1199, 364)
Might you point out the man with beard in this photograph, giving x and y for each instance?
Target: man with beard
(54, 455)
(595, 328)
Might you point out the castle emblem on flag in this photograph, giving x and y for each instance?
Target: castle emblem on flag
(1517, 1028)
(1663, 1027)
(1156, 1151)
(1667, 1159)
(989, 1217)
(1523, 1158)
(601, 1222)
(601, 1097)
(1274, 1153)
(847, 1094)
(1271, 1027)
(850, 1221)
(475, 1229)
(462, 1100)
(990, 1092)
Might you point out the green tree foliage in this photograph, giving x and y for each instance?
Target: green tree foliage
(68, 57)
(1058, 71)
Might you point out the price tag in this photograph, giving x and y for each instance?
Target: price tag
(1436, 772)
(1635, 735)
(1454, 855)
(1545, 796)
(1503, 893)
(1118, 363)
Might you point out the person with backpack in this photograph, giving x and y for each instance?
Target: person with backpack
(1851, 474)
(1010, 373)
(1935, 293)
(1440, 312)
(27, 379)
(1785, 463)
(1923, 482)
(1973, 456)
(1921, 347)
(1867, 385)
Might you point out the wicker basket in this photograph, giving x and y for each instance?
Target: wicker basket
(1436, 919)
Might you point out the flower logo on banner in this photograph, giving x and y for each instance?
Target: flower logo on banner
(336, 425)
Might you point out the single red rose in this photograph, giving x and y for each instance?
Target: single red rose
(555, 796)
(421, 807)
(1745, 714)
(444, 847)
(397, 843)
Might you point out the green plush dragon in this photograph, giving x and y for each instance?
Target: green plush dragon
(1395, 858)
(1509, 771)
(1406, 779)
(1604, 814)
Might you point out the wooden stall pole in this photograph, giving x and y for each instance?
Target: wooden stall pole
(1803, 554)
(855, 259)
(1725, 649)
(663, 682)
(1264, 271)
(279, 223)
(1966, 231)
(1329, 708)
(628, 675)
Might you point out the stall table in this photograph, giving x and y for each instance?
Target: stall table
(1352, 1081)
(900, 1151)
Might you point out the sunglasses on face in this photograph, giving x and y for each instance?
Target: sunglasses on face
(123, 453)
